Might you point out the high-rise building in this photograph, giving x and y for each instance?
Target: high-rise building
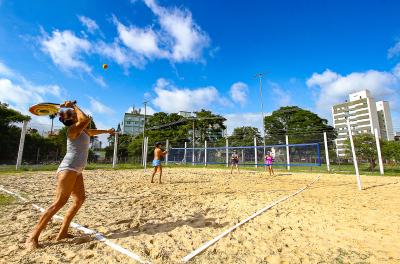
(133, 122)
(185, 114)
(364, 115)
(385, 120)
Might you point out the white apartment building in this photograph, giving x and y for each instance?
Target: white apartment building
(385, 120)
(364, 115)
(132, 123)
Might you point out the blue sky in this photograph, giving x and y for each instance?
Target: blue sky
(187, 55)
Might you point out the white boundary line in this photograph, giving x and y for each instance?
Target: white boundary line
(98, 236)
(215, 240)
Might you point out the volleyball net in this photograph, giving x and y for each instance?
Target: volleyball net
(283, 155)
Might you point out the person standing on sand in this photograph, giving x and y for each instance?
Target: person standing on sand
(268, 163)
(158, 154)
(69, 173)
(234, 161)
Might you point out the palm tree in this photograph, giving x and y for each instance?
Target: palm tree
(52, 121)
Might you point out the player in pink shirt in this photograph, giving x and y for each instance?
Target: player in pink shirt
(268, 163)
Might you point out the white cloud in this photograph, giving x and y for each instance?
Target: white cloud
(5, 71)
(331, 88)
(98, 107)
(186, 39)
(142, 41)
(90, 24)
(243, 119)
(170, 98)
(281, 97)
(239, 92)
(119, 54)
(66, 49)
(21, 93)
(394, 51)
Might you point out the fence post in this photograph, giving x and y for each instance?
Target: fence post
(354, 154)
(193, 153)
(115, 156)
(287, 152)
(227, 152)
(21, 144)
(328, 167)
(378, 148)
(166, 156)
(205, 152)
(184, 157)
(255, 152)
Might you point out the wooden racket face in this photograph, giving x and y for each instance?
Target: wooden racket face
(44, 109)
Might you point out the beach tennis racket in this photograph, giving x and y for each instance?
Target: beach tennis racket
(45, 109)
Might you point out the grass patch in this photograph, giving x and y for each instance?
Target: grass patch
(6, 199)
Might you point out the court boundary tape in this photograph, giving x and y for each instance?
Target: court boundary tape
(98, 236)
(211, 242)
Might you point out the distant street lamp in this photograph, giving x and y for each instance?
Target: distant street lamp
(260, 76)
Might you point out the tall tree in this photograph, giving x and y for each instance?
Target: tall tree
(10, 133)
(301, 125)
(391, 151)
(244, 136)
(365, 147)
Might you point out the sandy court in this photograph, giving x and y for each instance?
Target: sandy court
(330, 222)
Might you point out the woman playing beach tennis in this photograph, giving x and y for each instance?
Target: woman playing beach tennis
(268, 163)
(234, 161)
(69, 173)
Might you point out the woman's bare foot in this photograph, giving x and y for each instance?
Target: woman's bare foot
(31, 243)
(62, 236)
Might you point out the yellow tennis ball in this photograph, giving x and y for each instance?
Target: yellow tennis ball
(105, 66)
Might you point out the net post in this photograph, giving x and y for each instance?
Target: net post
(255, 152)
(354, 154)
(184, 153)
(115, 150)
(328, 167)
(166, 156)
(378, 149)
(287, 152)
(21, 144)
(205, 153)
(227, 152)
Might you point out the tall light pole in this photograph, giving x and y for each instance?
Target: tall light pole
(260, 76)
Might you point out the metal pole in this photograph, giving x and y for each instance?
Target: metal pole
(227, 152)
(255, 152)
(354, 154)
(184, 153)
(115, 156)
(378, 148)
(287, 152)
(328, 167)
(144, 129)
(146, 146)
(205, 153)
(21, 144)
(166, 156)
(260, 76)
(193, 144)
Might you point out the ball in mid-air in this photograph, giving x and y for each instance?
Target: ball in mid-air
(105, 66)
